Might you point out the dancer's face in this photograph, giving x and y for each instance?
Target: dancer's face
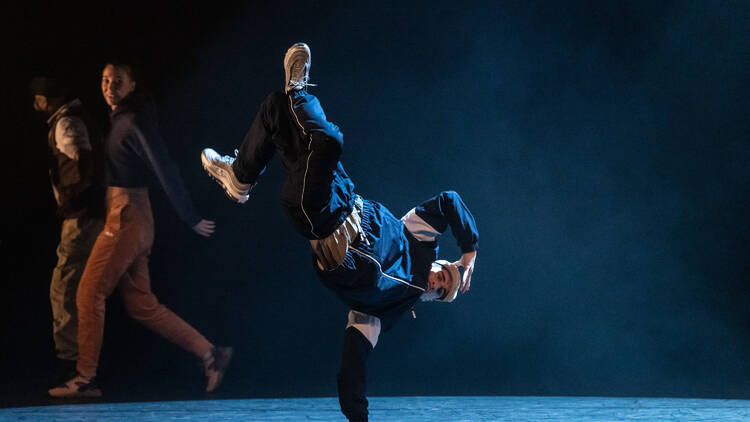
(116, 84)
(439, 280)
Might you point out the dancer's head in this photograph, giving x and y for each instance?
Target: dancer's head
(442, 282)
(118, 81)
(48, 94)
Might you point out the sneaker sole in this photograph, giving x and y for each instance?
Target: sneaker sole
(208, 167)
(301, 48)
(92, 394)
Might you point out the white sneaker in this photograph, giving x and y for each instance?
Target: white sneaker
(297, 67)
(78, 386)
(219, 167)
(215, 366)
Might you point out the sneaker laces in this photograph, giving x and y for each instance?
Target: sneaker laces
(301, 84)
(227, 159)
(77, 381)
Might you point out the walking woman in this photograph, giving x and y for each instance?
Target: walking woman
(135, 154)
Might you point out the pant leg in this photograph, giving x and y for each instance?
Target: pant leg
(281, 121)
(143, 306)
(116, 247)
(326, 192)
(257, 147)
(308, 114)
(317, 195)
(325, 144)
(76, 240)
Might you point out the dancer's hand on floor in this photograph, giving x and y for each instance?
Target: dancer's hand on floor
(205, 228)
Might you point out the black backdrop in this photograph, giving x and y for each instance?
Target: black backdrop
(602, 147)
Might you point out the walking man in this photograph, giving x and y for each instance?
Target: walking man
(75, 177)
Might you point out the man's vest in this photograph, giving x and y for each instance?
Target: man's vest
(77, 183)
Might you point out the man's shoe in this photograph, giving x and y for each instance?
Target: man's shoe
(219, 167)
(78, 386)
(297, 67)
(215, 366)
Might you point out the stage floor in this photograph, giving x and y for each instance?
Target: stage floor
(401, 409)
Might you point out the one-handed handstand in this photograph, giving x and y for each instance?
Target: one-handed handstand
(377, 264)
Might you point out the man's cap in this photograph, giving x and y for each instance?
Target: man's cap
(455, 281)
(46, 86)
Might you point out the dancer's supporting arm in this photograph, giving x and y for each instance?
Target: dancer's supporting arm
(360, 338)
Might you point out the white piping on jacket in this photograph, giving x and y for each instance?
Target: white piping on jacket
(307, 167)
(380, 268)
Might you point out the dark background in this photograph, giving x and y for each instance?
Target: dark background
(601, 146)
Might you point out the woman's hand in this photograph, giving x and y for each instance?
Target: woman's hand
(205, 228)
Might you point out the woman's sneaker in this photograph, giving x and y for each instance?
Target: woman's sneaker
(78, 386)
(219, 167)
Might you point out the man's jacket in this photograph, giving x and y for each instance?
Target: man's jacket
(385, 275)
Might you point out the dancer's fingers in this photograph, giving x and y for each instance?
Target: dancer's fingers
(466, 285)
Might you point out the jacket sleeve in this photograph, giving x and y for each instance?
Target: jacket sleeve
(352, 375)
(72, 139)
(158, 159)
(431, 218)
(71, 136)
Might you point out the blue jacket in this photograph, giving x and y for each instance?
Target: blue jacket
(386, 275)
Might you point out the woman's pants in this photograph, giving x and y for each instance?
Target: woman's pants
(120, 258)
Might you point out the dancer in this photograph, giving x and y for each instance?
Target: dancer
(75, 171)
(135, 154)
(380, 266)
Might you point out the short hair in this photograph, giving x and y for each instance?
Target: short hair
(128, 65)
